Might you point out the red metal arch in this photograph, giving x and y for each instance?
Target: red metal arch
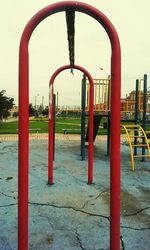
(90, 148)
(114, 126)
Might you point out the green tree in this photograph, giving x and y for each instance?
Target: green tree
(32, 110)
(15, 114)
(6, 103)
(40, 110)
(45, 111)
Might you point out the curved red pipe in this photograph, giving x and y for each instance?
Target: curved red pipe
(23, 154)
(91, 108)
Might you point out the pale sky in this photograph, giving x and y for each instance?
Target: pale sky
(49, 47)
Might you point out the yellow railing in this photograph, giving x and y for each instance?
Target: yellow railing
(132, 132)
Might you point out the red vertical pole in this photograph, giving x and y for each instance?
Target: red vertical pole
(115, 152)
(23, 152)
(51, 136)
(90, 148)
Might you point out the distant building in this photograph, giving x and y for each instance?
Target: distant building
(128, 103)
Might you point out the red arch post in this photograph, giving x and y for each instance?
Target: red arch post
(114, 124)
(90, 148)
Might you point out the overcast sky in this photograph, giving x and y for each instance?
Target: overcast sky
(49, 48)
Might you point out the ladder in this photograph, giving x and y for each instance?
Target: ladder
(137, 138)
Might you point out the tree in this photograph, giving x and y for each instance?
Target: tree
(45, 111)
(32, 110)
(40, 110)
(15, 114)
(6, 103)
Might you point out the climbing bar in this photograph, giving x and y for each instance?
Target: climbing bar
(140, 156)
(70, 20)
(139, 145)
(140, 134)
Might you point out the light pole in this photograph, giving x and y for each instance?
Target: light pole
(42, 102)
(36, 101)
(105, 72)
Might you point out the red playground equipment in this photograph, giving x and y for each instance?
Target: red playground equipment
(51, 133)
(23, 157)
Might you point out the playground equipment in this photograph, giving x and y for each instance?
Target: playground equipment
(51, 123)
(140, 108)
(101, 95)
(137, 102)
(137, 138)
(142, 102)
(101, 109)
(70, 7)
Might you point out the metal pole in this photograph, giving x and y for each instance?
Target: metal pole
(42, 102)
(51, 136)
(54, 124)
(83, 101)
(136, 101)
(136, 113)
(57, 102)
(23, 155)
(108, 134)
(90, 138)
(115, 151)
(144, 113)
(108, 120)
(35, 102)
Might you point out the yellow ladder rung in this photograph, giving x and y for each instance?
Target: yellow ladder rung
(133, 130)
(131, 126)
(131, 133)
(137, 136)
(139, 156)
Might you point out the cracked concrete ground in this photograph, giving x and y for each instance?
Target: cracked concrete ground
(72, 215)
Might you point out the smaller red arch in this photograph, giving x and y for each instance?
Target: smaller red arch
(91, 108)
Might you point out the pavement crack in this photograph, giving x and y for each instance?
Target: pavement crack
(9, 205)
(136, 229)
(93, 199)
(122, 242)
(79, 240)
(70, 207)
(9, 196)
(138, 211)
